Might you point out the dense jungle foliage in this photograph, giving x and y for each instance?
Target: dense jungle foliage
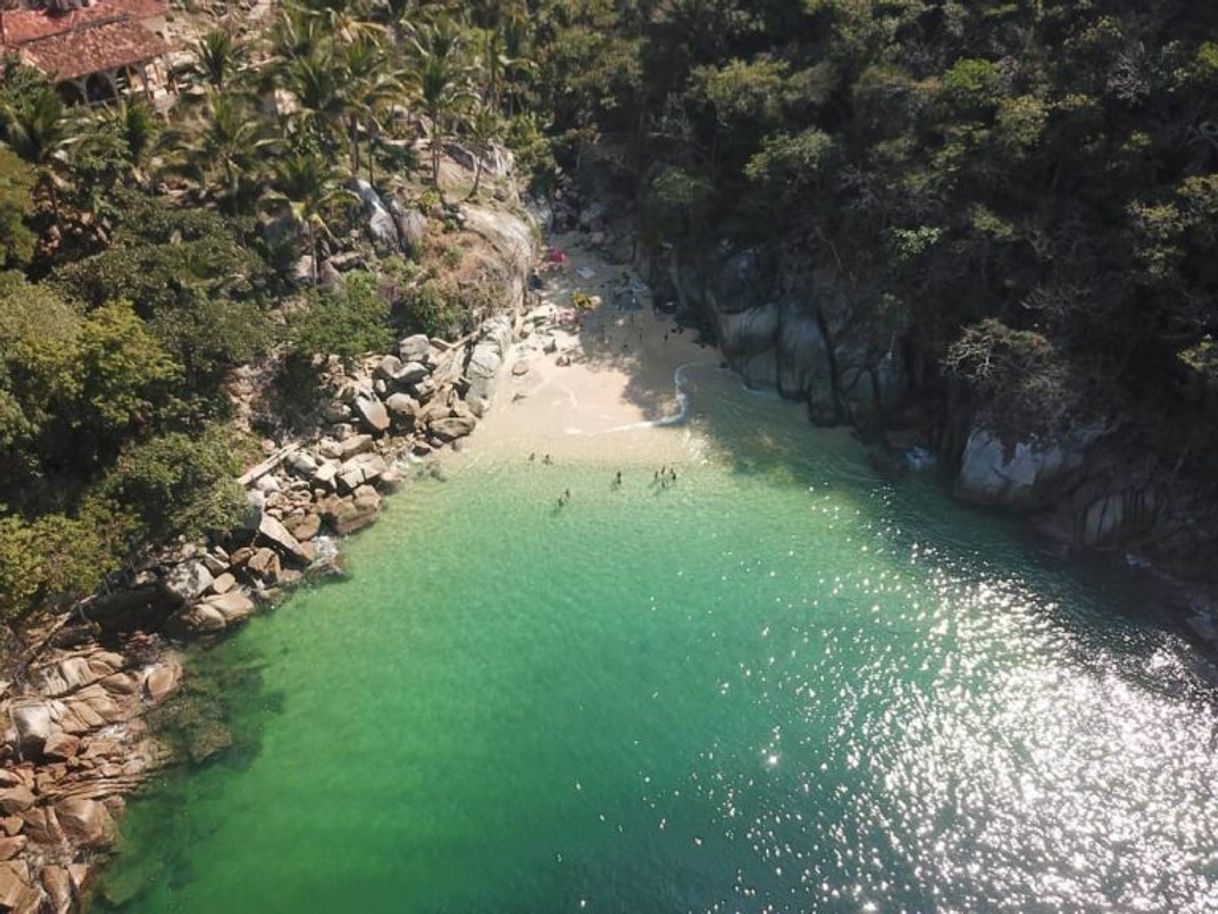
(1024, 192)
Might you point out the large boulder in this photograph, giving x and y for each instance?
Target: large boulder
(187, 580)
(593, 216)
(306, 528)
(486, 361)
(17, 894)
(356, 444)
(402, 408)
(411, 225)
(380, 223)
(235, 606)
(412, 373)
(453, 427)
(162, 680)
(87, 823)
(33, 723)
(361, 469)
(58, 885)
(414, 348)
(1026, 474)
(215, 614)
(277, 534)
(16, 799)
(76, 672)
(264, 564)
(373, 413)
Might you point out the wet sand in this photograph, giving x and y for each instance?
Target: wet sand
(620, 393)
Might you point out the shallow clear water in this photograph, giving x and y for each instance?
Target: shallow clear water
(781, 685)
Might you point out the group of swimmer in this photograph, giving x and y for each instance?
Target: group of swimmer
(664, 477)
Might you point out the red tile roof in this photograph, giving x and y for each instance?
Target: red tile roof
(102, 47)
(22, 26)
(103, 36)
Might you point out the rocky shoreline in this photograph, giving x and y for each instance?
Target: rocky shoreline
(78, 737)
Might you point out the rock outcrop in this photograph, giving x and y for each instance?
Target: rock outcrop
(786, 326)
(1023, 475)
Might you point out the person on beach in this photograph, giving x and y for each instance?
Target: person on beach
(532, 457)
(547, 461)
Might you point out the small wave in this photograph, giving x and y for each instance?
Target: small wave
(677, 418)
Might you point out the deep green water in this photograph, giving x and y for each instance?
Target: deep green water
(782, 685)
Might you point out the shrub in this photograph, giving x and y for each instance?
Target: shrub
(53, 558)
(181, 483)
(349, 321)
(431, 308)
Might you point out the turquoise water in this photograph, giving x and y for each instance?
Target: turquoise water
(781, 685)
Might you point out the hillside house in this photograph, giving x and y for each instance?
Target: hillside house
(94, 50)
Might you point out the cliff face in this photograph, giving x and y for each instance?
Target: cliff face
(787, 330)
(796, 330)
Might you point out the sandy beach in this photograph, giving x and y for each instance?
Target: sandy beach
(621, 382)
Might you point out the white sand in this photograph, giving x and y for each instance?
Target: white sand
(619, 395)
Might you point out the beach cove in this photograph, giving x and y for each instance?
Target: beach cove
(779, 682)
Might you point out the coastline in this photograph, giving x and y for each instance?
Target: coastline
(555, 388)
(528, 381)
(99, 688)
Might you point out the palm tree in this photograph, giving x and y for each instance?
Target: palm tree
(38, 128)
(297, 33)
(307, 183)
(320, 89)
(219, 58)
(482, 131)
(369, 85)
(226, 146)
(441, 82)
(514, 47)
(393, 12)
(136, 124)
(346, 20)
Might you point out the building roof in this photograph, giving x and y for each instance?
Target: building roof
(25, 25)
(102, 36)
(114, 44)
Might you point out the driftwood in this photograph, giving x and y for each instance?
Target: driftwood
(256, 473)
